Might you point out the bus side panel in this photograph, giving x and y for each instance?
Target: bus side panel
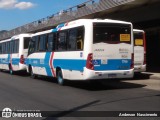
(139, 58)
(15, 61)
(40, 63)
(4, 61)
(72, 64)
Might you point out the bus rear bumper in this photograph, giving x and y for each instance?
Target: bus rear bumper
(141, 68)
(116, 74)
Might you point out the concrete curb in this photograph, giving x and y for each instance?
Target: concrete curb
(155, 76)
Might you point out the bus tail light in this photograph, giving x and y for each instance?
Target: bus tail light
(132, 61)
(144, 37)
(22, 59)
(144, 62)
(89, 63)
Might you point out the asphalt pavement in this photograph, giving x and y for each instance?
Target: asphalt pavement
(20, 92)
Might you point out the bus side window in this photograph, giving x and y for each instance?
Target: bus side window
(79, 43)
(50, 43)
(16, 46)
(72, 39)
(26, 42)
(80, 38)
(0, 48)
(42, 43)
(62, 40)
(31, 46)
(7, 47)
(11, 47)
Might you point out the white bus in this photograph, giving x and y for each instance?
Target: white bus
(84, 49)
(139, 50)
(13, 53)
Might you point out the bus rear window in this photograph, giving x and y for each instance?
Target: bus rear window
(26, 42)
(111, 33)
(138, 39)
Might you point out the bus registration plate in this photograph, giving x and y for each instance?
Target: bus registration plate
(112, 75)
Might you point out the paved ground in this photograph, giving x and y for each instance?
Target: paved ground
(20, 92)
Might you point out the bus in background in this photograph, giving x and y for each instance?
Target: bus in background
(4, 51)
(84, 49)
(13, 53)
(139, 50)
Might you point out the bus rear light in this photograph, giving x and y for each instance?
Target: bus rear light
(22, 59)
(132, 61)
(144, 37)
(89, 63)
(144, 62)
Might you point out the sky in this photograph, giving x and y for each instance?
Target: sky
(15, 13)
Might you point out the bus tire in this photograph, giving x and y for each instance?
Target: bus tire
(32, 75)
(60, 79)
(10, 69)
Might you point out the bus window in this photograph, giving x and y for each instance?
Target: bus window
(4, 48)
(36, 43)
(0, 48)
(26, 42)
(80, 37)
(50, 43)
(62, 38)
(31, 46)
(8, 47)
(75, 41)
(42, 43)
(72, 39)
(138, 39)
(15, 46)
(112, 33)
(11, 47)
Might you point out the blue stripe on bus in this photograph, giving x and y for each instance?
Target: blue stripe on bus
(119, 64)
(47, 66)
(69, 64)
(15, 61)
(62, 63)
(78, 65)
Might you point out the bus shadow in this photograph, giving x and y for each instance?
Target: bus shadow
(19, 73)
(96, 85)
(99, 85)
(103, 85)
(141, 76)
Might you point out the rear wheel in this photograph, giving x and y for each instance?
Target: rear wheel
(60, 79)
(31, 73)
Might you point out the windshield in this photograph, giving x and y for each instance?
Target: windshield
(111, 33)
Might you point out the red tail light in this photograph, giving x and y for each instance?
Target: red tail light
(144, 37)
(132, 61)
(144, 62)
(22, 59)
(89, 63)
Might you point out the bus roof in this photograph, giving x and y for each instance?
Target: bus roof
(138, 30)
(5, 40)
(21, 35)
